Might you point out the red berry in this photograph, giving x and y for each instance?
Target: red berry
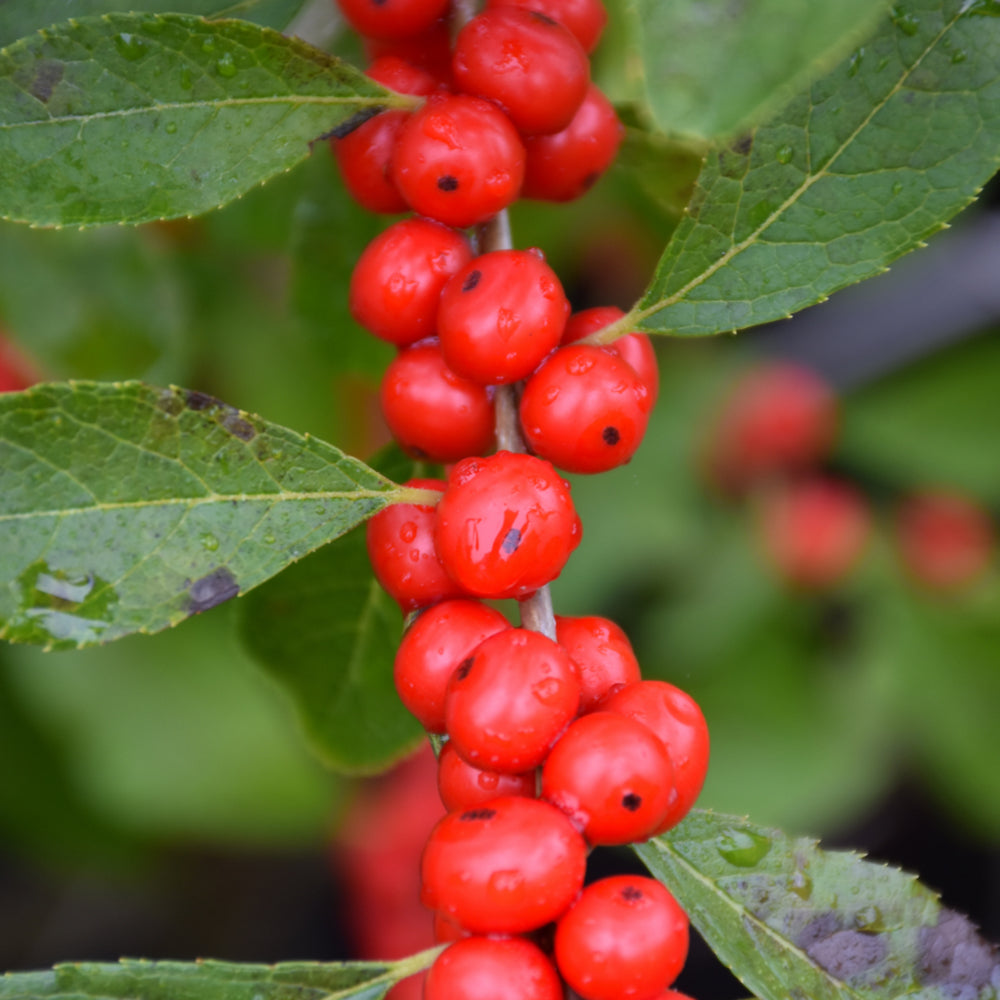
(17, 371)
(397, 281)
(402, 553)
(458, 159)
(501, 315)
(463, 786)
(432, 412)
(813, 531)
(391, 19)
(625, 938)
(506, 525)
(585, 409)
(532, 66)
(430, 50)
(945, 540)
(602, 654)
(506, 867)
(565, 165)
(612, 777)
(431, 649)
(676, 720)
(399, 74)
(480, 968)
(510, 699)
(635, 348)
(446, 931)
(585, 18)
(364, 156)
(778, 417)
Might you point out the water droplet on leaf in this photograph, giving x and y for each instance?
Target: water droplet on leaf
(784, 154)
(743, 848)
(129, 46)
(226, 65)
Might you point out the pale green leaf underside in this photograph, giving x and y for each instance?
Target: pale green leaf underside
(876, 157)
(710, 67)
(125, 508)
(134, 117)
(792, 920)
(133, 979)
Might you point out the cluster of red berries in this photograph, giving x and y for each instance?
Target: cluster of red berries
(776, 427)
(553, 743)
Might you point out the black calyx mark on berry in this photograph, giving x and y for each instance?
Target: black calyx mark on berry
(345, 128)
(631, 801)
(611, 436)
(462, 670)
(473, 814)
(448, 182)
(543, 18)
(631, 893)
(590, 180)
(471, 280)
(511, 541)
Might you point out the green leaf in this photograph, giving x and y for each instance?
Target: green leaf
(136, 979)
(133, 117)
(708, 68)
(663, 168)
(792, 920)
(125, 508)
(873, 159)
(328, 633)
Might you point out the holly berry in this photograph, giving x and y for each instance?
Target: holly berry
(463, 786)
(510, 699)
(602, 655)
(401, 549)
(500, 315)
(396, 284)
(675, 719)
(458, 159)
(625, 937)
(401, 75)
(430, 50)
(506, 525)
(585, 409)
(432, 412)
(432, 647)
(506, 867)
(532, 66)
(565, 165)
(391, 19)
(364, 155)
(585, 18)
(479, 968)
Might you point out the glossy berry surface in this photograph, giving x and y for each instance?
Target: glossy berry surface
(635, 348)
(458, 160)
(401, 75)
(506, 867)
(401, 548)
(396, 284)
(501, 315)
(364, 158)
(506, 525)
(510, 699)
(625, 938)
(586, 19)
(432, 412)
(432, 647)
(479, 968)
(463, 786)
(430, 50)
(612, 777)
(565, 165)
(391, 19)
(602, 654)
(530, 65)
(813, 531)
(674, 717)
(585, 409)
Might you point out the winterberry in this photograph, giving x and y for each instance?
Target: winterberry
(458, 159)
(463, 786)
(602, 654)
(479, 968)
(625, 938)
(532, 66)
(510, 699)
(506, 525)
(585, 409)
(585, 18)
(506, 867)
(432, 412)
(500, 315)
(432, 647)
(396, 284)
(364, 156)
(391, 19)
(430, 50)
(401, 75)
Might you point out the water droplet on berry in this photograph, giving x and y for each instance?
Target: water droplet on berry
(504, 882)
(580, 364)
(743, 848)
(551, 395)
(547, 690)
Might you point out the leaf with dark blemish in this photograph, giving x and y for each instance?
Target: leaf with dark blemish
(47, 74)
(213, 589)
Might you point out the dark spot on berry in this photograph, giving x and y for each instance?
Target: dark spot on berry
(473, 814)
(590, 180)
(448, 183)
(462, 670)
(631, 801)
(611, 436)
(544, 18)
(471, 280)
(511, 541)
(631, 893)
